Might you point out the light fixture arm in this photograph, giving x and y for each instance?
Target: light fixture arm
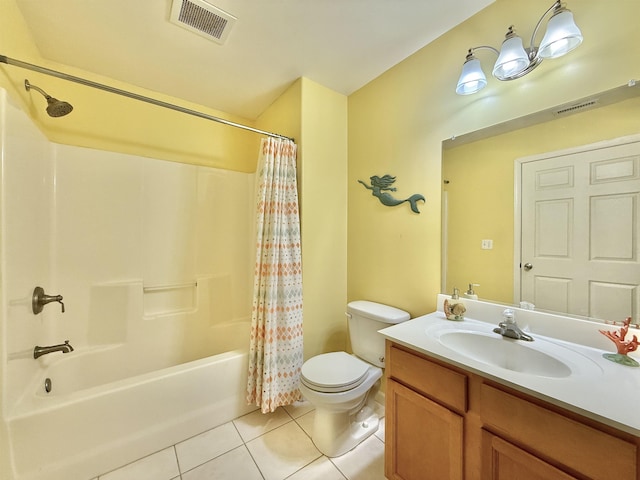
(533, 50)
(483, 47)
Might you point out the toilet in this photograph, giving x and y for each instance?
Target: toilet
(342, 387)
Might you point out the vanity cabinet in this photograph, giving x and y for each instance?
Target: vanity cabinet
(444, 423)
(427, 434)
(427, 437)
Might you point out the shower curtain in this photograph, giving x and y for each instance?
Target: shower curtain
(275, 351)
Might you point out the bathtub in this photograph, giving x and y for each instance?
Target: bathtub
(85, 427)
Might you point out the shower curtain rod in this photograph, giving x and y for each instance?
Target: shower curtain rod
(135, 96)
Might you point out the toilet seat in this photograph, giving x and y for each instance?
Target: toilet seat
(333, 372)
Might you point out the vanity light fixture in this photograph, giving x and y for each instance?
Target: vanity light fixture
(514, 60)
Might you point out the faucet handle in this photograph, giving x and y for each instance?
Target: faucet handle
(509, 316)
(40, 299)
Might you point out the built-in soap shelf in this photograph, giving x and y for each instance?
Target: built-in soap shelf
(169, 299)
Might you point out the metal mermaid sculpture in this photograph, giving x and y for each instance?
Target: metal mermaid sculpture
(378, 187)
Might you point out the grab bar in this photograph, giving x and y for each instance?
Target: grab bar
(174, 286)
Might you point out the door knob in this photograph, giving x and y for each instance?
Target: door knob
(528, 266)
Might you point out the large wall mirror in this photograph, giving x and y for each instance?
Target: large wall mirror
(486, 228)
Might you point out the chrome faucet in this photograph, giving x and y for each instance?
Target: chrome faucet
(63, 347)
(509, 328)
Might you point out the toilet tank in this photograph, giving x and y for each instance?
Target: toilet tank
(365, 319)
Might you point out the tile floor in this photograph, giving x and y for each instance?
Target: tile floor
(276, 446)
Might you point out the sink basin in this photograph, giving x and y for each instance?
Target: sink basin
(538, 358)
(505, 353)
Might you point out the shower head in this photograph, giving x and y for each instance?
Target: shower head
(55, 107)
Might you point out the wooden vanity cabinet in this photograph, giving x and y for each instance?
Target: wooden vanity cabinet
(427, 434)
(444, 423)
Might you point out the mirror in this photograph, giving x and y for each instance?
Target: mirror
(479, 174)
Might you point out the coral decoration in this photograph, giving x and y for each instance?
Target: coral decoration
(623, 346)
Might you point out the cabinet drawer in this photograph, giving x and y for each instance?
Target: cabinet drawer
(581, 448)
(431, 379)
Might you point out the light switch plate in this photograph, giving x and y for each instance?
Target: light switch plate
(487, 244)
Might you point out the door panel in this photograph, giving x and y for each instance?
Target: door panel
(581, 232)
(424, 440)
(504, 461)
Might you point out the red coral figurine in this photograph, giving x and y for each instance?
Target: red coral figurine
(623, 346)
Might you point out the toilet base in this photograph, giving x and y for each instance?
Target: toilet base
(335, 433)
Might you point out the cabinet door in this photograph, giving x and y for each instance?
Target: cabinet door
(502, 460)
(423, 439)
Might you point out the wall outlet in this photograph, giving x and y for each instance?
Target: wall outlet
(487, 244)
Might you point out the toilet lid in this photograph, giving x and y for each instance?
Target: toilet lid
(333, 372)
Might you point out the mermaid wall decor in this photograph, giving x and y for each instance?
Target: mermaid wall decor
(379, 186)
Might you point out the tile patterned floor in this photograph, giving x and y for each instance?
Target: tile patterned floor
(277, 446)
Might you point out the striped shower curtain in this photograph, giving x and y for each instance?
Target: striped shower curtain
(275, 352)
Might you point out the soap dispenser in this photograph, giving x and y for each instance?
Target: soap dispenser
(470, 293)
(455, 309)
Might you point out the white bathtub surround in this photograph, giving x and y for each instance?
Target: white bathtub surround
(154, 260)
(274, 446)
(109, 425)
(595, 388)
(275, 351)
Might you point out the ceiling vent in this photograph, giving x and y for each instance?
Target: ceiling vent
(203, 19)
(576, 107)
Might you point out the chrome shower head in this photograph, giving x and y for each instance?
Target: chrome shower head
(55, 107)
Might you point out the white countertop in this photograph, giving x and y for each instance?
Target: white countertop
(598, 388)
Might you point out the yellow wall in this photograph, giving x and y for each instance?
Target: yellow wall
(317, 117)
(107, 121)
(283, 116)
(398, 121)
(480, 191)
(324, 217)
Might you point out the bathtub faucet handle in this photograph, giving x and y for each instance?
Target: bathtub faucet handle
(40, 299)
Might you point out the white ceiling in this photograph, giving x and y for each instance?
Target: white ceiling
(341, 44)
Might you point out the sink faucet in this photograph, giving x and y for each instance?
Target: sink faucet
(63, 347)
(509, 328)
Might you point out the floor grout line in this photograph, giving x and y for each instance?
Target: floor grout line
(244, 444)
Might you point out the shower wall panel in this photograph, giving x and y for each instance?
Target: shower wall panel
(150, 256)
(26, 235)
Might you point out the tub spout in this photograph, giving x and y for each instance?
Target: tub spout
(63, 347)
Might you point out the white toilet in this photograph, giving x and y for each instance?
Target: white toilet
(342, 387)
